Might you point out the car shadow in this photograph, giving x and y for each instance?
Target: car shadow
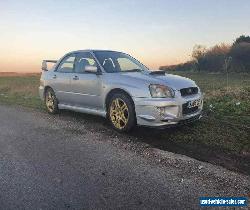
(164, 139)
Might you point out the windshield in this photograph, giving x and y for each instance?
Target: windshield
(118, 62)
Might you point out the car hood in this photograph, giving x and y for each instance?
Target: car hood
(173, 81)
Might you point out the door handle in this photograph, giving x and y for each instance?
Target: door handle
(75, 78)
(54, 77)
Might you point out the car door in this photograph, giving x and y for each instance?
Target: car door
(61, 79)
(86, 86)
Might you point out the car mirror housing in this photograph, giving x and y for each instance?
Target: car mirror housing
(91, 69)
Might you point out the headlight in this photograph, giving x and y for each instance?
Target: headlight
(161, 91)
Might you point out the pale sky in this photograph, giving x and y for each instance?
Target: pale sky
(157, 32)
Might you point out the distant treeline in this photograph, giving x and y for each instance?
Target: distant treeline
(219, 58)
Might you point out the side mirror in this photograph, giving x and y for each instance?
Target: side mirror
(44, 66)
(91, 69)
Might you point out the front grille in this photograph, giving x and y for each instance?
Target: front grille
(189, 91)
(186, 110)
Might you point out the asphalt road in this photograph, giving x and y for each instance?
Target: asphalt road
(56, 162)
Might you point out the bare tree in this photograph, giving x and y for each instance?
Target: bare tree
(198, 54)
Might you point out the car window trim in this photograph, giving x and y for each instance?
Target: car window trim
(67, 55)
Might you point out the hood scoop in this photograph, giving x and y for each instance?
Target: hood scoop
(157, 72)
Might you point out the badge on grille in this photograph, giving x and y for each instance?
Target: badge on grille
(189, 90)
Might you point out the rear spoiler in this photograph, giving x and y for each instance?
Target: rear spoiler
(44, 64)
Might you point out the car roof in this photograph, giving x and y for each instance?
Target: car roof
(91, 50)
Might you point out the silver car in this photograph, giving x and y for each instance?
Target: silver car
(117, 86)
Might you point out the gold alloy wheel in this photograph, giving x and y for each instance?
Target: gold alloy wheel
(50, 102)
(119, 113)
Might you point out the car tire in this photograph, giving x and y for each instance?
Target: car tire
(121, 112)
(51, 101)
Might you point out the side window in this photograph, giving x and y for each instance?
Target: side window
(109, 65)
(83, 60)
(126, 64)
(67, 65)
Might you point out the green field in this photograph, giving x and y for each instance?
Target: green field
(225, 127)
(20, 90)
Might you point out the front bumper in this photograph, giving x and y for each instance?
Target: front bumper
(165, 111)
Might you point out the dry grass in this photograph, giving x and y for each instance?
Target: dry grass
(21, 89)
(15, 74)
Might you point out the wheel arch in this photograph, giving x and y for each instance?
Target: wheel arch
(114, 91)
(46, 88)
